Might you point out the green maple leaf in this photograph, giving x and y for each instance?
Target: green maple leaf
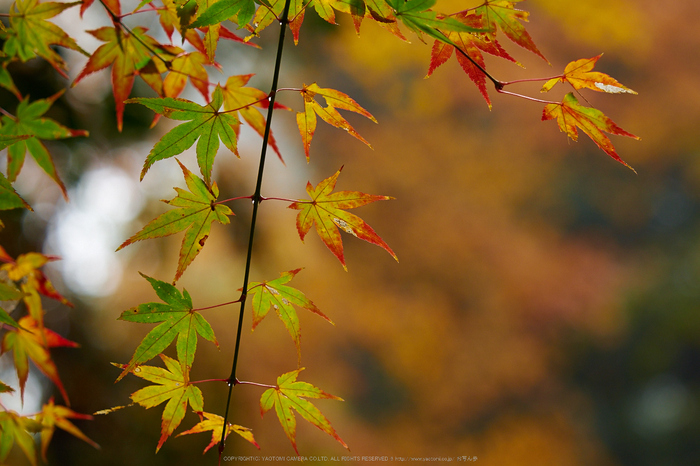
(29, 121)
(30, 35)
(325, 211)
(129, 55)
(289, 396)
(174, 386)
(216, 425)
(206, 123)
(16, 428)
(418, 17)
(242, 10)
(196, 212)
(277, 295)
(177, 320)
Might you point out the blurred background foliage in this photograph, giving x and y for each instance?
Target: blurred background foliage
(546, 307)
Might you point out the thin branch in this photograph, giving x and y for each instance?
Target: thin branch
(501, 91)
(217, 305)
(256, 203)
(279, 199)
(209, 380)
(243, 382)
(507, 83)
(233, 199)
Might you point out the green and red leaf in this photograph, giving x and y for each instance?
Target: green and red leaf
(470, 44)
(502, 14)
(571, 114)
(30, 341)
(325, 211)
(129, 55)
(30, 35)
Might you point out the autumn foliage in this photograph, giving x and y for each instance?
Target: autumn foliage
(212, 124)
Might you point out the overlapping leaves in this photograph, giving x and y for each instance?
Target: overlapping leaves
(30, 121)
(129, 54)
(31, 35)
(30, 341)
(468, 48)
(172, 384)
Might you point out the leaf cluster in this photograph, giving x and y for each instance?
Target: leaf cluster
(167, 66)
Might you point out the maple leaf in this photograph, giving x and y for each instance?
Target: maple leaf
(243, 100)
(325, 211)
(570, 114)
(184, 66)
(52, 416)
(265, 15)
(174, 386)
(196, 213)
(206, 123)
(504, 15)
(29, 121)
(129, 55)
(16, 428)
(306, 120)
(176, 318)
(417, 16)
(31, 35)
(289, 396)
(578, 73)
(216, 425)
(221, 10)
(469, 44)
(272, 11)
(32, 342)
(277, 295)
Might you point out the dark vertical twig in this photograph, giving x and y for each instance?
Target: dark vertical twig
(257, 198)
